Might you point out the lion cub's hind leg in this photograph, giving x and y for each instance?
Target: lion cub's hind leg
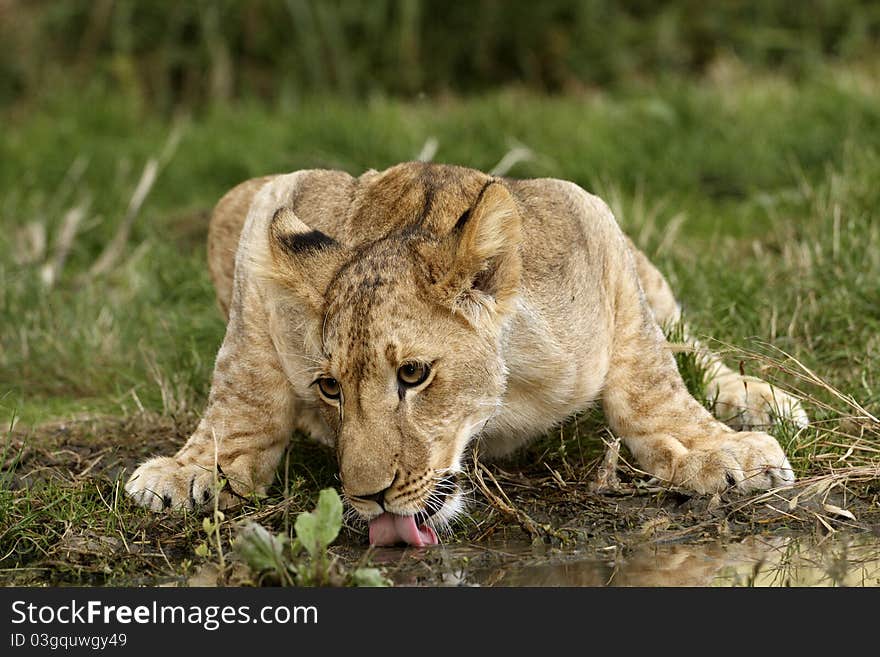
(746, 402)
(742, 402)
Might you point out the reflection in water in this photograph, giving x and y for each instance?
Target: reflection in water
(757, 561)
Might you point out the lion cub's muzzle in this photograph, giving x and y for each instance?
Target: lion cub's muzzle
(393, 519)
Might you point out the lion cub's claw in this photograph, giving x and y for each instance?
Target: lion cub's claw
(743, 462)
(163, 483)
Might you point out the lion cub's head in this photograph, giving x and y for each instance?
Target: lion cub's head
(403, 340)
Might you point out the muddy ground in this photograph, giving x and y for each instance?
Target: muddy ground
(567, 512)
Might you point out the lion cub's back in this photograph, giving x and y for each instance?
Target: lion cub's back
(566, 234)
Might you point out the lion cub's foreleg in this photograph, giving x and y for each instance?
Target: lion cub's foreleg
(243, 432)
(668, 431)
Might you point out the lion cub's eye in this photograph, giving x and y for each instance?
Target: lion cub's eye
(329, 387)
(410, 375)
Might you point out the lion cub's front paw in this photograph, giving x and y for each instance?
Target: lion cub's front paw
(740, 461)
(163, 483)
(747, 403)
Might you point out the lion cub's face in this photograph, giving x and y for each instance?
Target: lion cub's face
(406, 384)
(406, 351)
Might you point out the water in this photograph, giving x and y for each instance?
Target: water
(797, 560)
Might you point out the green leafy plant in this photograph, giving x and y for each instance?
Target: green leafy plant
(266, 553)
(305, 560)
(318, 529)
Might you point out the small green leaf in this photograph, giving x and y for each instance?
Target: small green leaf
(306, 532)
(369, 577)
(207, 525)
(259, 548)
(329, 514)
(318, 529)
(202, 550)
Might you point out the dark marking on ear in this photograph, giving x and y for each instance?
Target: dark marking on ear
(296, 243)
(466, 215)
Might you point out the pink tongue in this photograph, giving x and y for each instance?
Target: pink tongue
(391, 529)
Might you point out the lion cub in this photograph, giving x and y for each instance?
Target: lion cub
(400, 315)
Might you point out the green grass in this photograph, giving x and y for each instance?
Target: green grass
(172, 53)
(757, 197)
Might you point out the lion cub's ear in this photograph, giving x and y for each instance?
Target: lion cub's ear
(483, 263)
(303, 260)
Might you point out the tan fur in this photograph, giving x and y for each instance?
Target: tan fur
(524, 297)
